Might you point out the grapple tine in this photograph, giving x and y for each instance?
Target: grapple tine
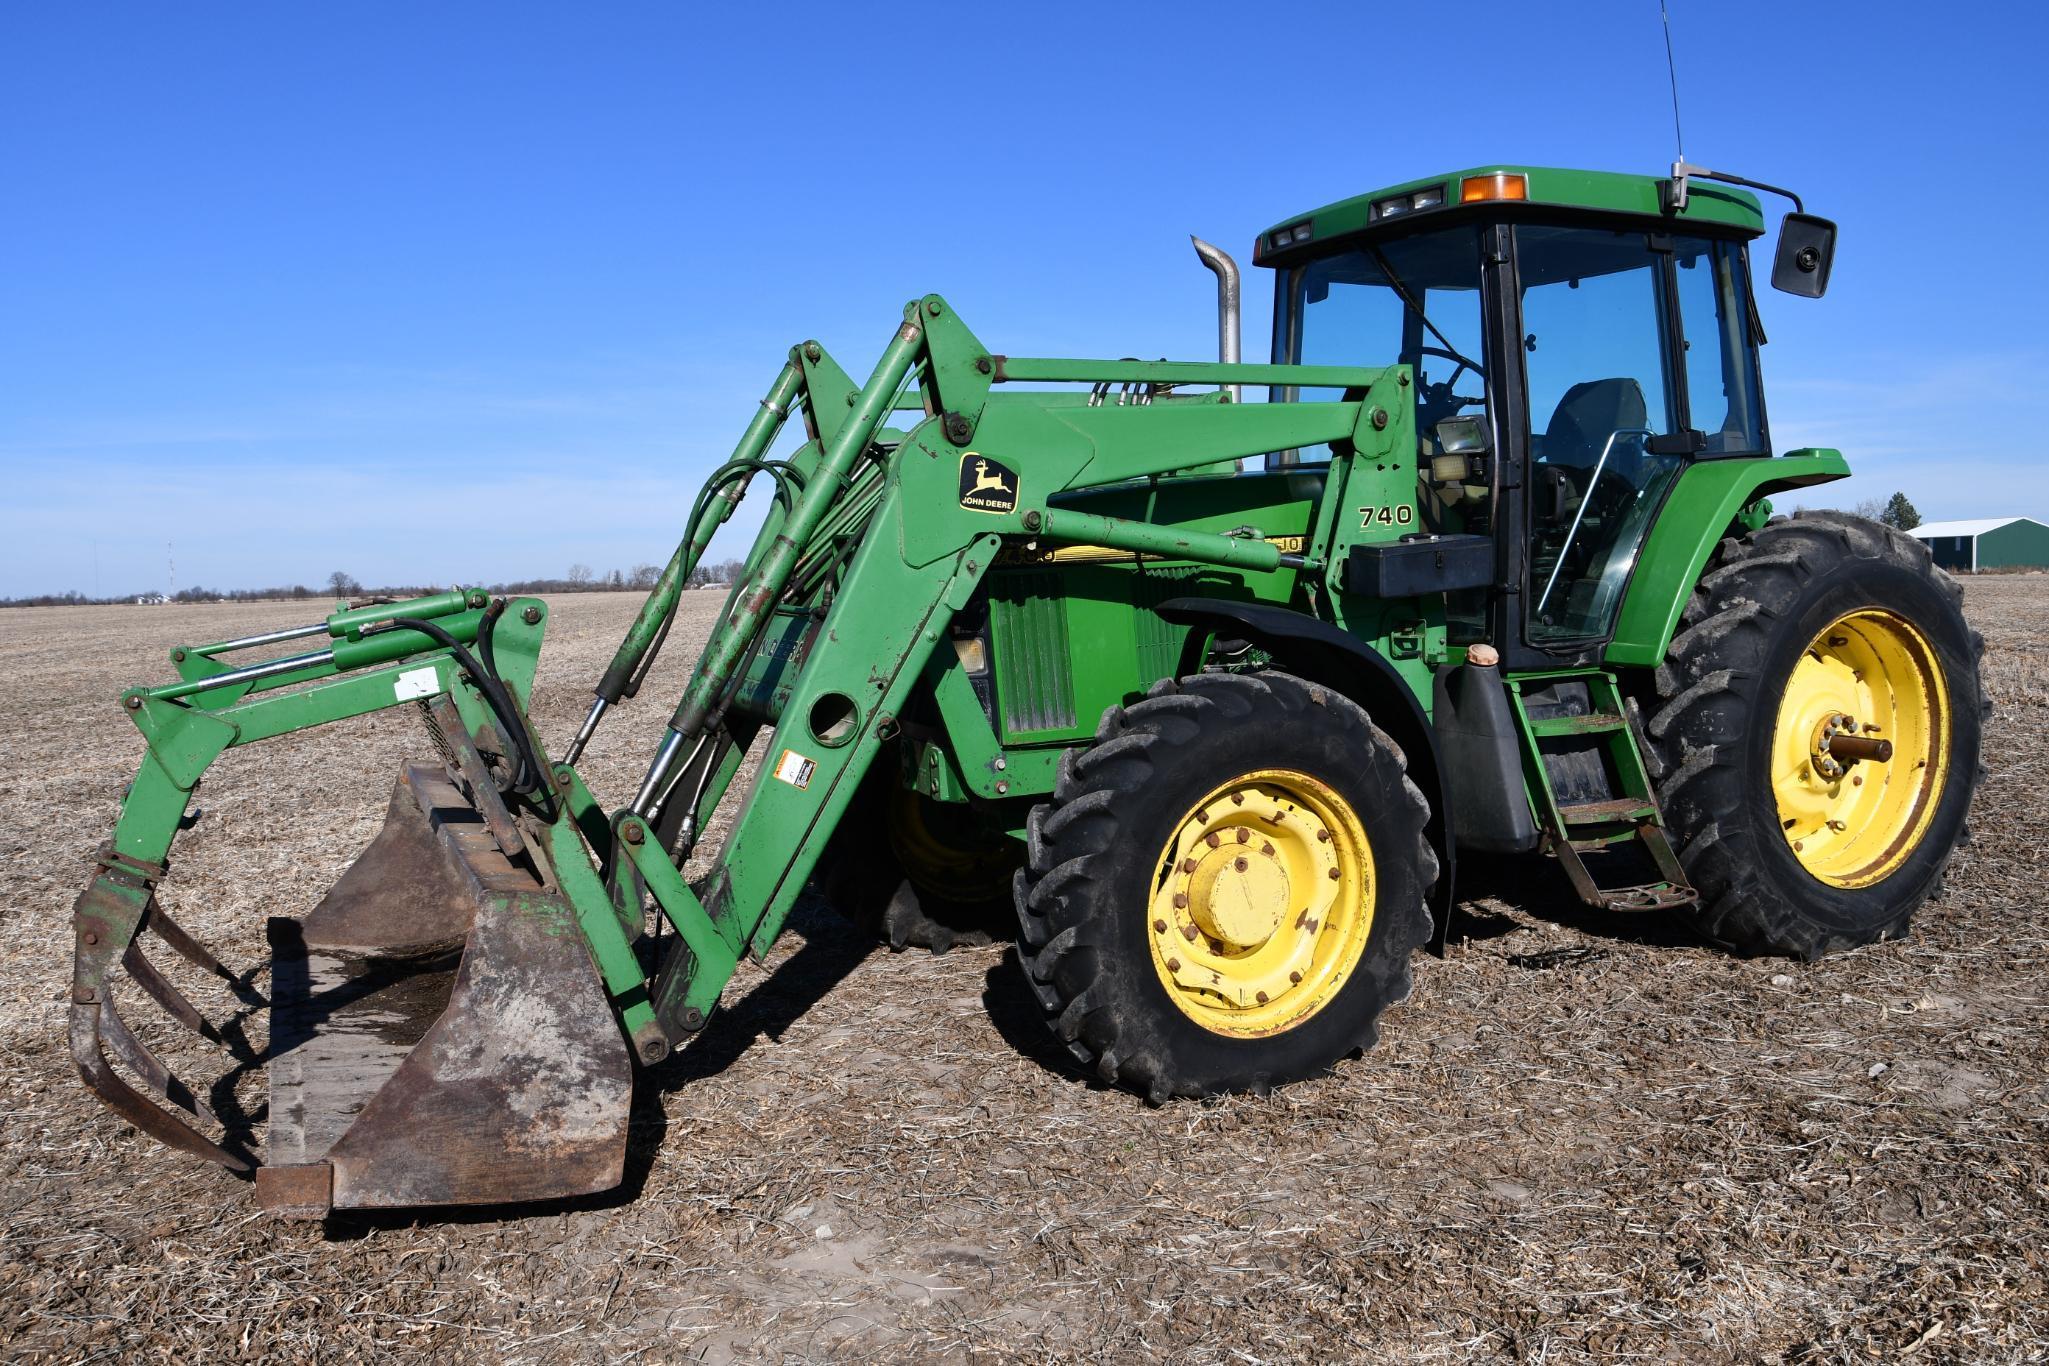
(131, 1104)
(145, 975)
(155, 918)
(133, 1054)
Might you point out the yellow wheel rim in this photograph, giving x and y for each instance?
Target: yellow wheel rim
(1852, 813)
(961, 868)
(1262, 903)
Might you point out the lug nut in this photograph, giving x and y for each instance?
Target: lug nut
(1173, 965)
(1159, 927)
(1335, 875)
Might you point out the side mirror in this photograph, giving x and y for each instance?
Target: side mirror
(1463, 447)
(1807, 247)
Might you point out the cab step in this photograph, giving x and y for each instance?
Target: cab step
(1583, 763)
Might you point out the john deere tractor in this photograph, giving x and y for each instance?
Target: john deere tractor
(1214, 692)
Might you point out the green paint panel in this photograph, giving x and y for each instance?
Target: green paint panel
(1029, 648)
(1549, 188)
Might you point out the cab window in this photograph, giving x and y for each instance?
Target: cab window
(1602, 382)
(1720, 354)
(1412, 301)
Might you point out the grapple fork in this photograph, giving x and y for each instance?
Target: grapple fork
(440, 1032)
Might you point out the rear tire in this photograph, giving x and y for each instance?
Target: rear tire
(1785, 859)
(1285, 782)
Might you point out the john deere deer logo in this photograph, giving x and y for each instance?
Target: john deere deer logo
(987, 485)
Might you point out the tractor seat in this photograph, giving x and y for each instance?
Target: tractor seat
(1588, 414)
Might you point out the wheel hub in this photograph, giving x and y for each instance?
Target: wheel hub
(1262, 903)
(1238, 894)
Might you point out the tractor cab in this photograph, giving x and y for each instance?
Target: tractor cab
(1576, 340)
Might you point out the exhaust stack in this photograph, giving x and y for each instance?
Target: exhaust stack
(1228, 349)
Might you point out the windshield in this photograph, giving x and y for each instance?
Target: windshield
(1413, 301)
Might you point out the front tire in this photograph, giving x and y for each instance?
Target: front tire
(1224, 891)
(1812, 638)
(913, 873)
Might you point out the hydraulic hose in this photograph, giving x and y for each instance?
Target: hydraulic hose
(532, 775)
(623, 678)
(617, 683)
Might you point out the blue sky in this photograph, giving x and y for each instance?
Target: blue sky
(468, 292)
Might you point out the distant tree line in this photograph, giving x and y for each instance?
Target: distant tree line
(579, 579)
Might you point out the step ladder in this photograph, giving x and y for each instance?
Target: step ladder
(1583, 762)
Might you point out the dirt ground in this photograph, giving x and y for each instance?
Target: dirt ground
(1583, 1137)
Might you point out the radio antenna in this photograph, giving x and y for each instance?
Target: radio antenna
(1672, 70)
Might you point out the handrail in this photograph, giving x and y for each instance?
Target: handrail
(1580, 515)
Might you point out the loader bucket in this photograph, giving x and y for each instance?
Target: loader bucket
(439, 1034)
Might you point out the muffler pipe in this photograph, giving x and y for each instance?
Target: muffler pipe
(1229, 350)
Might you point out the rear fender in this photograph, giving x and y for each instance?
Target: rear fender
(1705, 503)
(1312, 649)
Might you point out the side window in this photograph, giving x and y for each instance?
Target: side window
(1601, 382)
(1721, 366)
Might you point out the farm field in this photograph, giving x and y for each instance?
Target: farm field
(1582, 1137)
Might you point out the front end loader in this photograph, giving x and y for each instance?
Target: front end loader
(1026, 633)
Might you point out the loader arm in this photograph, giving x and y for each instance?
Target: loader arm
(875, 540)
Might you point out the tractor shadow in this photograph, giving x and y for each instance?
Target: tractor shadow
(1497, 893)
(831, 948)
(1497, 896)
(1015, 1012)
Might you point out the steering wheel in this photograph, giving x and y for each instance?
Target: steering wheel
(1455, 358)
(1438, 400)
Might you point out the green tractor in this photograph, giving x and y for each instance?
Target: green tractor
(1214, 693)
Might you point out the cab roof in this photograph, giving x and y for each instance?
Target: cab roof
(1708, 204)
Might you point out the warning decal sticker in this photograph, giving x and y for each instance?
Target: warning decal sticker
(794, 769)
